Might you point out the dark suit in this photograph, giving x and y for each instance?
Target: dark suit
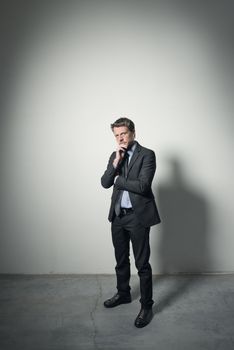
(134, 227)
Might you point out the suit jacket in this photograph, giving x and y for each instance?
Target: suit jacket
(137, 182)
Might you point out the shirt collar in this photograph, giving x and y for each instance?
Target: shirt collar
(132, 149)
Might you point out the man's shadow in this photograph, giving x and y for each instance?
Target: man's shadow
(183, 245)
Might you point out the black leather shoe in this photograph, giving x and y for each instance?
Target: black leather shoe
(117, 300)
(144, 317)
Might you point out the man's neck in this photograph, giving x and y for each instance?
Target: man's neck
(130, 146)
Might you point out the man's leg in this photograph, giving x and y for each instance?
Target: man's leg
(121, 239)
(141, 249)
(139, 236)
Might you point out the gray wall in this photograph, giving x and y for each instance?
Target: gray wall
(70, 69)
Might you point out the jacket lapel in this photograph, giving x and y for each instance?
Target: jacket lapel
(134, 156)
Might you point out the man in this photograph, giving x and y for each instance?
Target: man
(133, 210)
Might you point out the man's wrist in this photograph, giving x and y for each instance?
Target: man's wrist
(115, 163)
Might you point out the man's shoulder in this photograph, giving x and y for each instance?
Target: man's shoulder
(144, 149)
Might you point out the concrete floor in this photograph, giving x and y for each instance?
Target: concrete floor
(66, 312)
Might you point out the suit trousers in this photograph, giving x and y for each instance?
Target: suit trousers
(125, 229)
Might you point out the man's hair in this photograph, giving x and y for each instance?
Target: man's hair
(123, 122)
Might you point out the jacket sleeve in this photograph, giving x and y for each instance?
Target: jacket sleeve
(107, 179)
(142, 184)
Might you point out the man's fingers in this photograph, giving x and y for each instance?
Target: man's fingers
(123, 149)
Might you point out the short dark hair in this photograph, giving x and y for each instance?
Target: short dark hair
(123, 122)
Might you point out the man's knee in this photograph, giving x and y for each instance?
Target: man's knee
(143, 269)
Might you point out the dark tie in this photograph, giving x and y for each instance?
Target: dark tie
(125, 171)
(125, 165)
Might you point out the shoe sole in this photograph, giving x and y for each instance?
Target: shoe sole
(122, 302)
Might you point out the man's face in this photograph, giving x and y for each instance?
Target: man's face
(124, 137)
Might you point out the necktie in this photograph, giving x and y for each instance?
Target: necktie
(125, 171)
(126, 164)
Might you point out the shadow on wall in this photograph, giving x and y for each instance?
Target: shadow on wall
(184, 245)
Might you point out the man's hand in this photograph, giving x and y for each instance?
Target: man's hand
(120, 151)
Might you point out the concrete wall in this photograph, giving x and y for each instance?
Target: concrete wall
(70, 70)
